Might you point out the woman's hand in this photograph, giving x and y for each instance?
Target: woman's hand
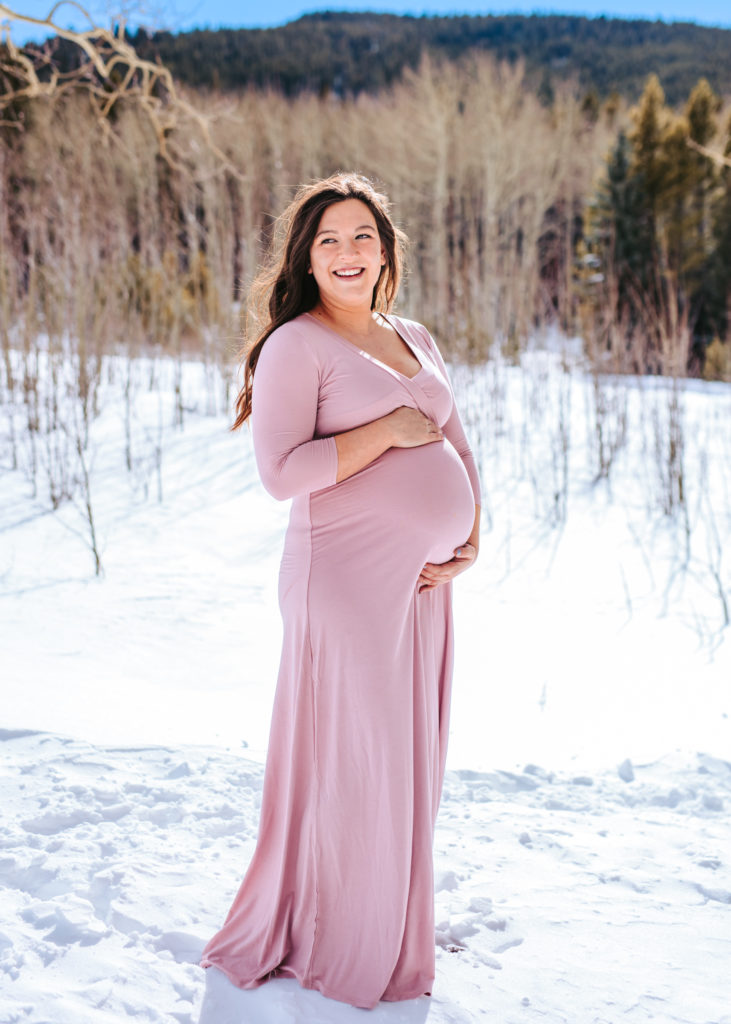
(435, 573)
(410, 428)
(403, 428)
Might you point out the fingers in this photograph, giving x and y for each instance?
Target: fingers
(428, 580)
(434, 574)
(435, 429)
(412, 428)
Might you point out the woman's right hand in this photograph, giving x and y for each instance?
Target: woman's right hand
(410, 428)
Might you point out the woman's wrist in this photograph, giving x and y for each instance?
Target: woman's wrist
(386, 425)
(360, 446)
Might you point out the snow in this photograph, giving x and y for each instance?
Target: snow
(558, 897)
(582, 865)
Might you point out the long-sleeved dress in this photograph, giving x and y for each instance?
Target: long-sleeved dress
(339, 893)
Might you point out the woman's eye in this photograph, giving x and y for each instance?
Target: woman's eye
(361, 234)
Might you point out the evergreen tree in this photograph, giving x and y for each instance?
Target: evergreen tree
(672, 228)
(650, 121)
(701, 117)
(621, 227)
(660, 224)
(720, 262)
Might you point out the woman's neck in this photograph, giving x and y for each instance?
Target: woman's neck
(358, 322)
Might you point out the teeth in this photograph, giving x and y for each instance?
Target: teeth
(348, 273)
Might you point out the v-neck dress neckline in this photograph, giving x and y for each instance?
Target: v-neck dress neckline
(374, 359)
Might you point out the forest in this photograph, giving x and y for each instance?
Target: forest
(350, 53)
(608, 216)
(135, 211)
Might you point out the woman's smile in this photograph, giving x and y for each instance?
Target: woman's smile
(349, 272)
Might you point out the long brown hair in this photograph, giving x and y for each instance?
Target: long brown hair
(284, 289)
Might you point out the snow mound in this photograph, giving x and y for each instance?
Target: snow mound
(117, 865)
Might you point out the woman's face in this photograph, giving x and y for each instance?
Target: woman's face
(346, 255)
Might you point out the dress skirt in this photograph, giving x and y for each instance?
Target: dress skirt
(339, 893)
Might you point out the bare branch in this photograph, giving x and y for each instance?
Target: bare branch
(149, 83)
(718, 158)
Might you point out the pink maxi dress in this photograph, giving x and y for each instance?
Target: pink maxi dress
(339, 893)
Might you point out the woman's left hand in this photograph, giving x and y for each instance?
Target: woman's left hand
(435, 573)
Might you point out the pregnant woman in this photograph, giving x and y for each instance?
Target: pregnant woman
(353, 418)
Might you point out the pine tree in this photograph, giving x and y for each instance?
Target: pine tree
(720, 262)
(621, 226)
(701, 115)
(650, 121)
(671, 213)
(679, 184)
(657, 225)
(683, 210)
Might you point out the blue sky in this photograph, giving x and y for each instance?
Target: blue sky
(178, 15)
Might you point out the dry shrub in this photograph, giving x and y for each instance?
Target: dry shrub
(106, 235)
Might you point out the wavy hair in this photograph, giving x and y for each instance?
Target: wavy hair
(284, 289)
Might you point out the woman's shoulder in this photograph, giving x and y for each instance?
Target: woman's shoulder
(415, 330)
(293, 339)
(405, 322)
(291, 330)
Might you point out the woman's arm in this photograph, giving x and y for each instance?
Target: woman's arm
(405, 427)
(433, 574)
(284, 415)
(454, 432)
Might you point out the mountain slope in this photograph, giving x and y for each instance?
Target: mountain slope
(352, 52)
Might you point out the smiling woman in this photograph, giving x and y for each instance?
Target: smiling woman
(347, 259)
(354, 419)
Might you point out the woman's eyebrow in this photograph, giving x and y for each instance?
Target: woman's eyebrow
(333, 231)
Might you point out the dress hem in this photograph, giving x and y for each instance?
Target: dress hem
(324, 990)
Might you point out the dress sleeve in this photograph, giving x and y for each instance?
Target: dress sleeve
(453, 429)
(290, 459)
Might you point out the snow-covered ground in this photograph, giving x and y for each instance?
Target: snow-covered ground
(583, 850)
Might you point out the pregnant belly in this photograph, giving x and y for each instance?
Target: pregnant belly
(414, 504)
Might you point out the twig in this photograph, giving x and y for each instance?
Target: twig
(105, 51)
(718, 158)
